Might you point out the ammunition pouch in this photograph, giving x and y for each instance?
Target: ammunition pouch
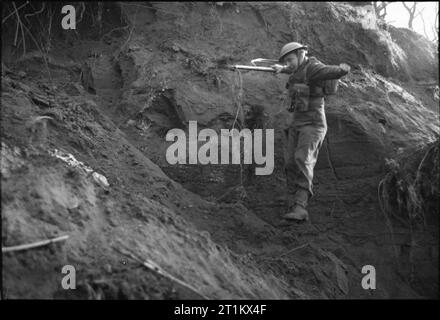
(331, 87)
(300, 94)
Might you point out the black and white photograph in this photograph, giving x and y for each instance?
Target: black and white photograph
(246, 152)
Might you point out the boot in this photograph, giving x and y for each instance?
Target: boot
(298, 213)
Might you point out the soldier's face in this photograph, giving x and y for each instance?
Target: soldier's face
(291, 60)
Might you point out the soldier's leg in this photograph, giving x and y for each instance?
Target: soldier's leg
(297, 183)
(309, 143)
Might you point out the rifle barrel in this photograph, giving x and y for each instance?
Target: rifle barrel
(255, 68)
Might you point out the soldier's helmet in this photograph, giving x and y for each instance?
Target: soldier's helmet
(290, 47)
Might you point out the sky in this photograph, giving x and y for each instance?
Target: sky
(398, 16)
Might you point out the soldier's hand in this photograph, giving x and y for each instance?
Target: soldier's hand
(278, 68)
(345, 67)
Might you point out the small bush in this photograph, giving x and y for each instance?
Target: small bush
(409, 192)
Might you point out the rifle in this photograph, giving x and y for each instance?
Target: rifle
(254, 67)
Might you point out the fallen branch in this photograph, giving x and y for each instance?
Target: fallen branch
(281, 256)
(294, 249)
(227, 192)
(34, 244)
(154, 267)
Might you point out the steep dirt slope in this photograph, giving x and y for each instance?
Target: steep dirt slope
(134, 215)
(112, 99)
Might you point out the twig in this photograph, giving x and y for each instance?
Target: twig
(111, 31)
(227, 192)
(418, 175)
(16, 34)
(387, 219)
(49, 29)
(237, 96)
(21, 27)
(287, 252)
(329, 158)
(128, 39)
(294, 249)
(419, 168)
(83, 9)
(335, 175)
(6, 18)
(36, 12)
(154, 267)
(42, 53)
(34, 244)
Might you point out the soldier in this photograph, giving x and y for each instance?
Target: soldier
(308, 84)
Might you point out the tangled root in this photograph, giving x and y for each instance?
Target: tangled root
(410, 190)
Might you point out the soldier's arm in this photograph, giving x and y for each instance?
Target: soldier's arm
(319, 71)
(282, 68)
(286, 69)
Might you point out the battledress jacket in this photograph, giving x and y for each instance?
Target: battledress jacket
(315, 73)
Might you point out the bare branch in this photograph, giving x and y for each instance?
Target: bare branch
(13, 11)
(419, 13)
(411, 11)
(406, 7)
(380, 8)
(21, 27)
(36, 12)
(83, 9)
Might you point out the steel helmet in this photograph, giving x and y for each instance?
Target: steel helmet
(288, 48)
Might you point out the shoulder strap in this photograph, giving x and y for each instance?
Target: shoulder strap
(305, 78)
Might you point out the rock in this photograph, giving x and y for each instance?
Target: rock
(101, 180)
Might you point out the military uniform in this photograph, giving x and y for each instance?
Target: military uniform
(308, 128)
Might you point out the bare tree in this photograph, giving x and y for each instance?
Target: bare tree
(380, 8)
(412, 13)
